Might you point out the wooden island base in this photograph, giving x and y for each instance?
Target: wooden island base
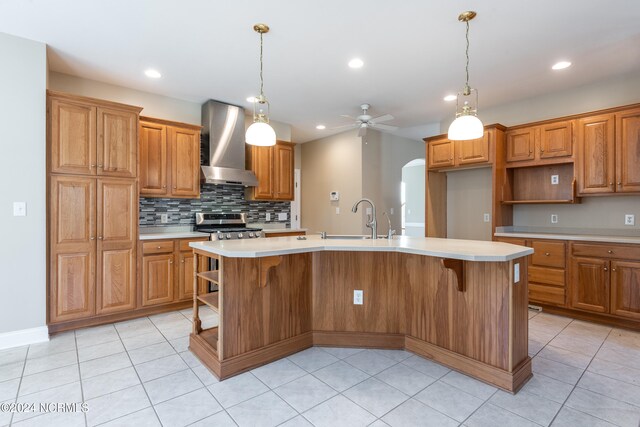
(469, 316)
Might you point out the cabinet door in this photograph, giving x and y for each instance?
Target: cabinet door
(440, 153)
(157, 279)
(625, 289)
(117, 215)
(590, 284)
(185, 162)
(596, 159)
(72, 232)
(72, 127)
(185, 275)
(283, 172)
(628, 151)
(473, 151)
(556, 140)
(521, 144)
(117, 143)
(153, 159)
(262, 166)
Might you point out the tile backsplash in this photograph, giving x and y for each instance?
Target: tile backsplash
(213, 198)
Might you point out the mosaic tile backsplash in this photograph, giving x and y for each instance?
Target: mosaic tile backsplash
(213, 198)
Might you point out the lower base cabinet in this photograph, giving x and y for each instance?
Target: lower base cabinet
(625, 289)
(590, 280)
(157, 279)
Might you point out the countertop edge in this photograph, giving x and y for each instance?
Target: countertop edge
(576, 237)
(172, 235)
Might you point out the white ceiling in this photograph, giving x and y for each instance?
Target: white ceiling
(413, 50)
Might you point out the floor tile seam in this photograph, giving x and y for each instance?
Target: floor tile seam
(339, 358)
(111, 372)
(310, 372)
(581, 375)
(430, 360)
(478, 408)
(55, 386)
(258, 395)
(166, 339)
(238, 403)
(338, 391)
(533, 421)
(350, 400)
(93, 345)
(24, 366)
(612, 378)
(395, 363)
(168, 375)
(75, 337)
(220, 404)
(122, 416)
(565, 364)
(140, 380)
(155, 357)
(440, 412)
(317, 404)
(570, 351)
(435, 380)
(589, 415)
(637, 405)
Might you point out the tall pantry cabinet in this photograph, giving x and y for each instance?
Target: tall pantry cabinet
(92, 172)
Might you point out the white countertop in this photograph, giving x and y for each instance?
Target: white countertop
(468, 250)
(283, 230)
(172, 235)
(570, 234)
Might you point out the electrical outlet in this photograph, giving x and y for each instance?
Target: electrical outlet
(358, 297)
(337, 211)
(19, 209)
(554, 218)
(555, 179)
(629, 219)
(282, 216)
(487, 217)
(267, 216)
(164, 218)
(516, 272)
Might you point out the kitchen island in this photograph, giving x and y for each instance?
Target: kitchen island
(458, 302)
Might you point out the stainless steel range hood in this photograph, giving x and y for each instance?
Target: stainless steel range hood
(222, 145)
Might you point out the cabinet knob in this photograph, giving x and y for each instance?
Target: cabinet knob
(93, 166)
(164, 186)
(182, 261)
(606, 269)
(99, 165)
(546, 254)
(170, 262)
(99, 237)
(611, 183)
(609, 251)
(620, 184)
(158, 247)
(613, 269)
(92, 238)
(541, 150)
(175, 188)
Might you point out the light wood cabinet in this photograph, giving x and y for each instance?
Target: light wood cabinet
(590, 282)
(92, 137)
(157, 279)
(444, 153)
(169, 159)
(610, 153)
(273, 167)
(625, 289)
(540, 143)
(547, 273)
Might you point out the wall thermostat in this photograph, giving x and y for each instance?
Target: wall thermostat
(334, 196)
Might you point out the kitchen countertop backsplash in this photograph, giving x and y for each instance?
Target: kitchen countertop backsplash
(213, 198)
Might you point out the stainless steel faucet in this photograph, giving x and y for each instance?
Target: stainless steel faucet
(390, 232)
(371, 220)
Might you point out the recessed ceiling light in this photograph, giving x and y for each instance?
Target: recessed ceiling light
(451, 97)
(321, 127)
(152, 74)
(251, 99)
(561, 65)
(356, 63)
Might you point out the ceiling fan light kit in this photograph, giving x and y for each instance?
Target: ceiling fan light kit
(466, 125)
(260, 132)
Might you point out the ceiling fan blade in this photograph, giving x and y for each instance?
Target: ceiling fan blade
(381, 119)
(349, 126)
(362, 131)
(385, 127)
(346, 116)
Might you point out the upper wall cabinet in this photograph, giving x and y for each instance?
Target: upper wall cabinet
(444, 153)
(169, 159)
(92, 137)
(609, 159)
(274, 168)
(541, 144)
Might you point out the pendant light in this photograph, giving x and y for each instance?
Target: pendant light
(260, 132)
(466, 125)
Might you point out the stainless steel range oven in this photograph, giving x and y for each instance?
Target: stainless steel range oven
(230, 226)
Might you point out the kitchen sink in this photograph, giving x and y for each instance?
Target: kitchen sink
(346, 237)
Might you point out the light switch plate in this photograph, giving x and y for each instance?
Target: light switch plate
(554, 218)
(267, 216)
(358, 297)
(487, 217)
(555, 179)
(516, 272)
(334, 196)
(282, 216)
(19, 208)
(629, 219)
(164, 218)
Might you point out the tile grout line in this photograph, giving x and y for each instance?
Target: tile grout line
(24, 367)
(75, 339)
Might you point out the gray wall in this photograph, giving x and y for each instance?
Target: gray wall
(23, 78)
(414, 179)
(594, 212)
(468, 199)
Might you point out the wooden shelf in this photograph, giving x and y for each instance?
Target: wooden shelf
(211, 276)
(210, 336)
(538, 202)
(211, 299)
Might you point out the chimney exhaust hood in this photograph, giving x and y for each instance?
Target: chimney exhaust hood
(223, 147)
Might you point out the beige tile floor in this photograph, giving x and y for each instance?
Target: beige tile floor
(141, 373)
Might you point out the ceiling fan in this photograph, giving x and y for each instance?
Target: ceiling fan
(365, 121)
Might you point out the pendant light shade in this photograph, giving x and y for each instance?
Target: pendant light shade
(466, 125)
(260, 132)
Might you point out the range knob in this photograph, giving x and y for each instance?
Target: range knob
(251, 235)
(258, 233)
(239, 235)
(220, 236)
(228, 235)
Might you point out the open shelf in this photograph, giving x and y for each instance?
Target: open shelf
(211, 276)
(533, 185)
(210, 336)
(211, 299)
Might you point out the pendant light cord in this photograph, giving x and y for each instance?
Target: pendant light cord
(262, 80)
(466, 53)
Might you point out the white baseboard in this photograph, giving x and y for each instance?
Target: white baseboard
(24, 337)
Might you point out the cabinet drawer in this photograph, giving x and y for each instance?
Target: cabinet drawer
(184, 243)
(548, 254)
(511, 240)
(548, 276)
(546, 294)
(157, 247)
(606, 251)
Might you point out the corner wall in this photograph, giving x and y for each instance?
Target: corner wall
(23, 79)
